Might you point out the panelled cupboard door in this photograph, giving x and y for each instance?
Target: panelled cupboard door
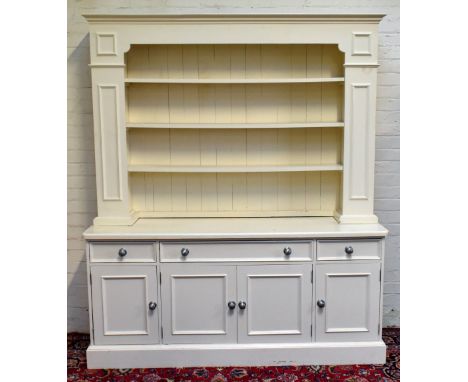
(196, 303)
(125, 307)
(348, 301)
(278, 303)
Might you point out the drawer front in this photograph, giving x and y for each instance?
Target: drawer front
(235, 251)
(349, 249)
(122, 252)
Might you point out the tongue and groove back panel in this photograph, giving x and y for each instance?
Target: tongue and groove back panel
(281, 106)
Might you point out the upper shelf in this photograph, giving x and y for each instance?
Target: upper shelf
(232, 80)
(206, 169)
(142, 125)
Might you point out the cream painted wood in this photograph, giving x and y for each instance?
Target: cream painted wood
(123, 252)
(235, 228)
(189, 149)
(235, 194)
(361, 249)
(195, 303)
(352, 302)
(110, 143)
(232, 80)
(236, 251)
(234, 62)
(279, 303)
(232, 125)
(235, 103)
(359, 150)
(269, 69)
(215, 131)
(121, 297)
(217, 355)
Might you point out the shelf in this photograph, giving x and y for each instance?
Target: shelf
(233, 169)
(137, 125)
(231, 80)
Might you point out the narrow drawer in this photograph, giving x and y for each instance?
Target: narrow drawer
(235, 251)
(349, 249)
(123, 252)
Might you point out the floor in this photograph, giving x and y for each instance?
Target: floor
(390, 372)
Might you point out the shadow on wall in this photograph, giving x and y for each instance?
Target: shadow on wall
(81, 180)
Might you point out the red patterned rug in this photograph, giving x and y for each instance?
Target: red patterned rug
(390, 372)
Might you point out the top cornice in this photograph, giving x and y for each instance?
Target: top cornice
(213, 18)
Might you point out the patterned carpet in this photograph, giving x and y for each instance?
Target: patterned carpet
(390, 372)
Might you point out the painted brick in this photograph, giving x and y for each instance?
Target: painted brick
(387, 192)
(388, 129)
(387, 155)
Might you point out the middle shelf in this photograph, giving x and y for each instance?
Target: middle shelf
(233, 169)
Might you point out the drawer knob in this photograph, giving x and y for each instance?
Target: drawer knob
(184, 252)
(321, 303)
(242, 305)
(122, 252)
(287, 251)
(152, 305)
(349, 250)
(232, 305)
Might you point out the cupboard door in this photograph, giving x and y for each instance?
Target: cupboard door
(125, 304)
(196, 303)
(278, 302)
(348, 301)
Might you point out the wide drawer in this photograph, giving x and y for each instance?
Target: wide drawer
(349, 249)
(119, 252)
(235, 251)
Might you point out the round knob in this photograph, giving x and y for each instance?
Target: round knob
(122, 252)
(185, 252)
(287, 251)
(349, 250)
(152, 305)
(231, 305)
(242, 305)
(321, 303)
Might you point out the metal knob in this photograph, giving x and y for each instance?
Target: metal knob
(152, 305)
(242, 305)
(321, 303)
(122, 252)
(231, 305)
(184, 252)
(349, 250)
(287, 251)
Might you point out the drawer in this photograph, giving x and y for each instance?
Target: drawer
(349, 249)
(119, 252)
(236, 251)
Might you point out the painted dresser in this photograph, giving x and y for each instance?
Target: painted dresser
(235, 182)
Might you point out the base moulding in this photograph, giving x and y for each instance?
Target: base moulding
(152, 356)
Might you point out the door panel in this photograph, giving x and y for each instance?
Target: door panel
(351, 293)
(195, 300)
(121, 297)
(279, 303)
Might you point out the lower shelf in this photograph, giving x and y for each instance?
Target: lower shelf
(150, 356)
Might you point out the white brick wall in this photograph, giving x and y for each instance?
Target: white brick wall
(81, 182)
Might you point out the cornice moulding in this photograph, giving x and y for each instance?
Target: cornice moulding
(234, 18)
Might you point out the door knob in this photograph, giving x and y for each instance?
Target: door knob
(242, 305)
(321, 303)
(349, 250)
(287, 251)
(152, 305)
(122, 252)
(231, 305)
(184, 252)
